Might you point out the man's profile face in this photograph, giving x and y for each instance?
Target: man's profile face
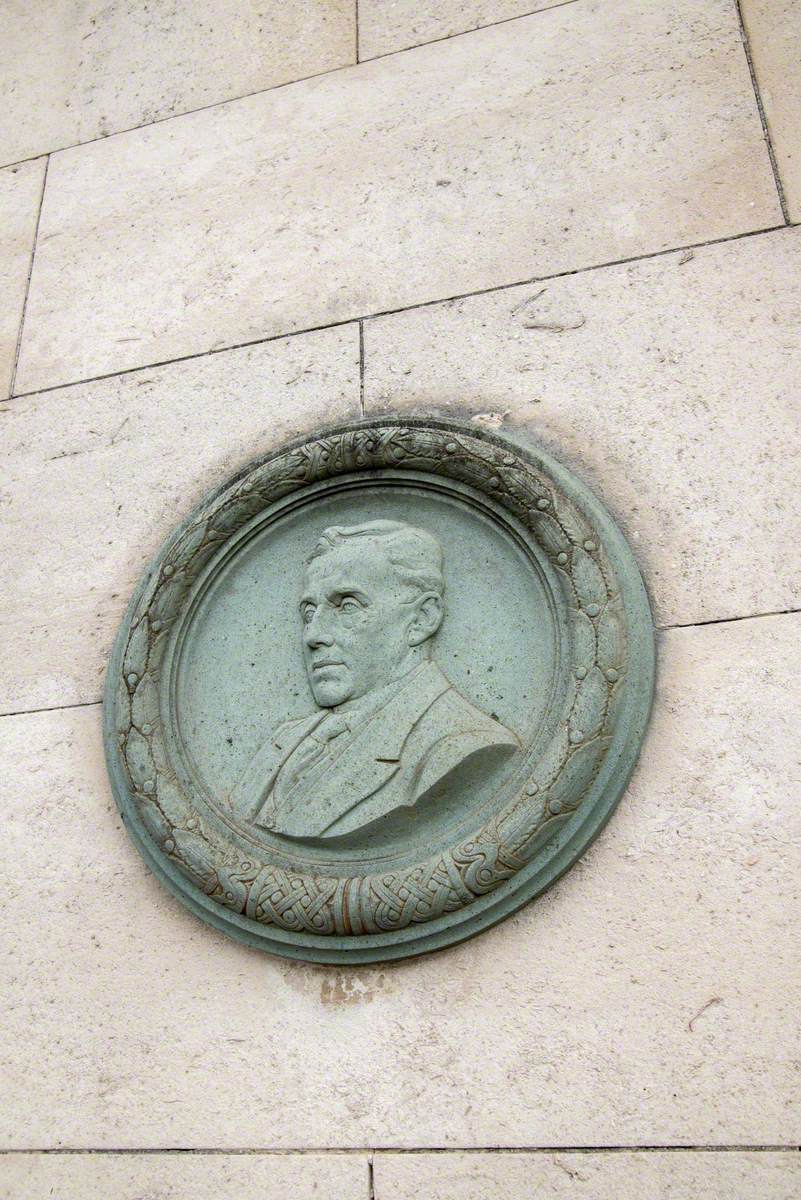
(356, 615)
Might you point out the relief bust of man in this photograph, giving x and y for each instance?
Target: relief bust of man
(389, 726)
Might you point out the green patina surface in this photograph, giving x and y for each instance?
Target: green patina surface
(379, 690)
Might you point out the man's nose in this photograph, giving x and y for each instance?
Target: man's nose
(317, 633)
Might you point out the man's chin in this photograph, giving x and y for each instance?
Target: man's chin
(328, 692)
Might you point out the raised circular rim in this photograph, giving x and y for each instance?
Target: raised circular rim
(506, 879)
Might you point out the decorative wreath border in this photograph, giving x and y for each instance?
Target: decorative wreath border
(369, 909)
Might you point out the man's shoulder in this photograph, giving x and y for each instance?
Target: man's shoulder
(453, 715)
(255, 781)
(452, 732)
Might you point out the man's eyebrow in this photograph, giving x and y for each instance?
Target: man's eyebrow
(357, 593)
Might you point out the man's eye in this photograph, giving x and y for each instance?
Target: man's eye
(307, 613)
(348, 604)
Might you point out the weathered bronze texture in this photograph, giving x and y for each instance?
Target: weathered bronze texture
(379, 690)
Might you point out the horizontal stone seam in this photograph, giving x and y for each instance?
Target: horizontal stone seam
(322, 1151)
(287, 83)
(177, 116)
(446, 37)
(762, 114)
(778, 612)
(27, 712)
(781, 612)
(356, 318)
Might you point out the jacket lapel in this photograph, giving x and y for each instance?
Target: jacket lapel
(257, 779)
(367, 761)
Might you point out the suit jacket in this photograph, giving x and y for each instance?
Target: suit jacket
(393, 758)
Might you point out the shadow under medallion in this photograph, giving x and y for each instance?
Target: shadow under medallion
(391, 736)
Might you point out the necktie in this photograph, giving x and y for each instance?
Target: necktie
(312, 748)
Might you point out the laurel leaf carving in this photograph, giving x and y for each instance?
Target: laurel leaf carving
(443, 882)
(139, 759)
(135, 659)
(588, 711)
(588, 581)
(611, 637)
(580, 770)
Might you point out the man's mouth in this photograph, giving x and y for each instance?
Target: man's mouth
(326, 662)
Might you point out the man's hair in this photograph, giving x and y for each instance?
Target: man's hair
(415, 554)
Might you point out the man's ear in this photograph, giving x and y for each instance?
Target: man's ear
(429, 611)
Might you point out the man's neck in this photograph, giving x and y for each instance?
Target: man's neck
(379, 696)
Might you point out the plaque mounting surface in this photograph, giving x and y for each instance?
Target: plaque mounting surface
(379, 690)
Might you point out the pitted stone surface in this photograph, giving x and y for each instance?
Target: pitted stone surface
(651, 998)
(125, 458)
(675, 1175)
(180, 1176)
(384, 28)
(527, 148)
(74, 71)
(774, 33)
(671, 386)
(652, 991)
(20, 196)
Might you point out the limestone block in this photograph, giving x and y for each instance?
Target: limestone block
(20, 197)
(579, 135)
(384, 28)
(180, 1176)
(650, 996)
(774, 34)
(96, 476)
(682, 1175)
(671, 386)
(73, 70)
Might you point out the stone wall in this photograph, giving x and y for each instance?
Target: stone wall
(224, 223)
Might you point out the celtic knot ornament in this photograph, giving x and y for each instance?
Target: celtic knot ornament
(379, 690)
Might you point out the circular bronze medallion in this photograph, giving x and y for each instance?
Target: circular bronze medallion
(379, 690)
